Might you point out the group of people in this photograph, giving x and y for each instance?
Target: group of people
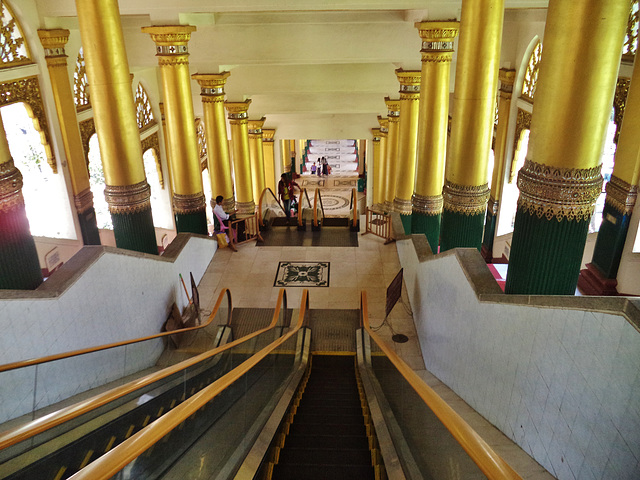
(321, 167)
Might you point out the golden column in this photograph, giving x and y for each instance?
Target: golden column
(407, 143)
(560, 180)
(269, 158)
(466, 191)
(18, 256)
(237, 112)
(599, 277)
(507, 78)
(384, 164)
(127, 191)
(437, 50)
(377, 174)
(218, 159)
(53, 42)
(256, 156)
(393, 114)
(189, 204)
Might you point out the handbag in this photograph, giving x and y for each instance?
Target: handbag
(222, 240)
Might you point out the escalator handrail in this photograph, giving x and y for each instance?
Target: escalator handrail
(83, 351)
(303, 195)
(491, 464)
(109, 464)
(317, 199)
(262, 199)
(23, 432)
(354, 206)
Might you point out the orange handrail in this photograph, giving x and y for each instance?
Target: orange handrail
(120, 456)
(303, 195)
(317, 198)
(491, 464)
(40, 425)
(74, 353)
(354, 206)
(262, 200)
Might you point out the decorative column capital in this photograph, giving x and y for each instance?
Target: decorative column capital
(211, 85)
(238, 111)
(10, 187)
(409, 83)
(393, 109)
(384, 125)
(376, 134)
(563, 193)
(54, 41)
(437, 40)
(268, 134)
(507, 77)
(171, 42)
(255, 127)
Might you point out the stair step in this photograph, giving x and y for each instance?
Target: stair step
(324, 456)
(312, 472)
(326, 441)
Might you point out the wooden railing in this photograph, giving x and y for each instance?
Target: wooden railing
(244, 230)
(379, 224)
(40, 425)
(491, 464)
(120, 456)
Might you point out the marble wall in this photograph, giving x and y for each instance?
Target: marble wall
(562, 380)
(102, 295)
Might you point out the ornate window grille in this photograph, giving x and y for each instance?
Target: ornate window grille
(631, 39)
(14, 49)
(531, 74)
(80, 84)
(144, 114)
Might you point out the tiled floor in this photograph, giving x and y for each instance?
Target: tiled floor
(249, 274)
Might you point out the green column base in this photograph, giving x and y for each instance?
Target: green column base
(429, 225)
(89, 227)
(406, 223)
(610, 241)
(19, 264)
(545, 255)
(134, 231)
(489, 235)
(192, 222)
(459, 230)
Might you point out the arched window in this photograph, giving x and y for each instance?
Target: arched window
(144, 114)
(14, 50)
(96, 183)
(631, 39)
(160, 207)
(531, 74)
(45, 193)
(608, 155)
(81, 84)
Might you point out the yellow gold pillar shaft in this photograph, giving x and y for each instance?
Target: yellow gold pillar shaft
(384, 173)
(407, 140)
(173, 58)
(218, 158)
(237, 112)
(507, 78)
(393, 114)
(437, 51)
(256, 156)
(269, 158)
(377, 174)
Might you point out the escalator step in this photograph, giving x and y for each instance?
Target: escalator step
(324, 456)
(327, 441)
(312, 472)
(335, 419)
(302, 428)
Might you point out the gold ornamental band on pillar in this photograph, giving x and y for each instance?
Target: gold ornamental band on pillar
(465, 199)
(128, 199)
(393, 115)
(238, 120)
(186, 174)
(407, 140)
(218, 158)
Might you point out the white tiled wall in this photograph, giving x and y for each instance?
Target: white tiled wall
(563, 384)
(117, 298)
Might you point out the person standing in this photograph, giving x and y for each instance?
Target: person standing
(325, 166)
(286, 192)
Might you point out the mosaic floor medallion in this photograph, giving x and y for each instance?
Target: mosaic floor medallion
(334, 202)
(302, 274)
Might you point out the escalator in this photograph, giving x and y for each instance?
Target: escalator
(276, 417)
(57, 445)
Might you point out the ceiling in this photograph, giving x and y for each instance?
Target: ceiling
(313, 68)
